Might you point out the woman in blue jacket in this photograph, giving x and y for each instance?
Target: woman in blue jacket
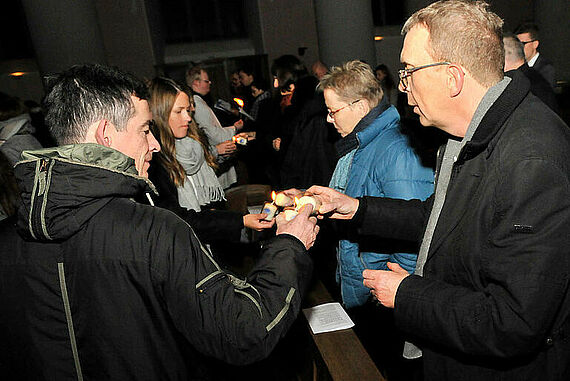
(376, 159)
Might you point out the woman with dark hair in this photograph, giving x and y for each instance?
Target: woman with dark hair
(183, 169)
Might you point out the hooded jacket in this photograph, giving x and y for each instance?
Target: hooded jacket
(98, 286)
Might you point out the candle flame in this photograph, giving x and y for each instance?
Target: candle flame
(273, 195)
(17, 74)
(239, 102)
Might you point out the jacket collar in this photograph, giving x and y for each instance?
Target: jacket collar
(498, 113)
(350, 141)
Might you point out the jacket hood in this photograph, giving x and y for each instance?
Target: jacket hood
(63, 187)
(18, 125)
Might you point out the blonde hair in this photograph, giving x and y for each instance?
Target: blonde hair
(466, 33)
(353, 80)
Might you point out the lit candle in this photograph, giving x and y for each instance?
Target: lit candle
(283, 200)
(308, 200)
(269, 208)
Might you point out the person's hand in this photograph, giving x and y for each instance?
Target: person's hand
(384, 284)
(276, 144)
(293, 192)
(226, 148)
(343, 207)
(257, 222)
(243, 135)
(303, 226)
(238, 125)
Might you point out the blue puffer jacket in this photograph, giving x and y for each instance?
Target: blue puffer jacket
(381, 164)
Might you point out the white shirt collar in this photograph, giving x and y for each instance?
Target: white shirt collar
(532, 61)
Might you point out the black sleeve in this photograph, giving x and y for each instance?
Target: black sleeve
(393, 218)
(237, 320)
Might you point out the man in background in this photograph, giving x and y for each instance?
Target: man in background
(527, 33)
(515, 60)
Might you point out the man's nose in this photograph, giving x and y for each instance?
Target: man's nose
(153, 145)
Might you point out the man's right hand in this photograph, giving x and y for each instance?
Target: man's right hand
(343, 207)
(303, 226)
(226, 148)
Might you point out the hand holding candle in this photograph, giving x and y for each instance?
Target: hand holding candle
(316, 203)
(269, 208)
(302, 226)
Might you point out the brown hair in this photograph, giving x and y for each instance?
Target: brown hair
(163, 93)
(353, 80)
(466, 33)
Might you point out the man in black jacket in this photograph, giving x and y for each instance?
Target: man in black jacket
(96, 286)
(514, 60)
(490, 297)
(527, 33)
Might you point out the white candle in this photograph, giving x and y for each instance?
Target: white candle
(282, 200)
(270, 210)
(309, 200)
(290, 214)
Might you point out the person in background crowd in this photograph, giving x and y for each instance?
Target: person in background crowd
(515, 60)
(220, 138)
(319, 69)
(527, 33)
(171, 108)
(387, 83)
(246, 78)
(186, 157)
(490, 297)
(95, 285)
(16, 130)
(305, 139)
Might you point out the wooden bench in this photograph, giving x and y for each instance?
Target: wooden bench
(340, 354)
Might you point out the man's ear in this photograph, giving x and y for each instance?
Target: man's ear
(363, 107)
(102, 133)
(536, 43)
(455, 80)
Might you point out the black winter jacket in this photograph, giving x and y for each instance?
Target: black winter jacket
(102, 287)
(494, 301)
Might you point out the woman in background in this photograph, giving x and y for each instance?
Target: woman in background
(183, 169)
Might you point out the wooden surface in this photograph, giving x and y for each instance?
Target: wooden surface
(341, 351)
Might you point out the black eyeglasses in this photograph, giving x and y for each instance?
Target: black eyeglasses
(404, 74)
(527, 42)
(333, 113)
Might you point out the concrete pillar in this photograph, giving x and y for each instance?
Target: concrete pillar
(345, 30)
(64, 33)
(552, 19)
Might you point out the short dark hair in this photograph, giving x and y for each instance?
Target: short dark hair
(530, 28)
(247, 70)
(84, 94)
(288, 69)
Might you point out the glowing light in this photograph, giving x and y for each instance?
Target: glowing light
(273, 195)
(378, 38)
(239, 102)
(17, 74)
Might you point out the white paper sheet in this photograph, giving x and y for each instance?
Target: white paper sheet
(327, 317)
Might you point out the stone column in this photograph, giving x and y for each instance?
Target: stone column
(64, 33)
(345, 30)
